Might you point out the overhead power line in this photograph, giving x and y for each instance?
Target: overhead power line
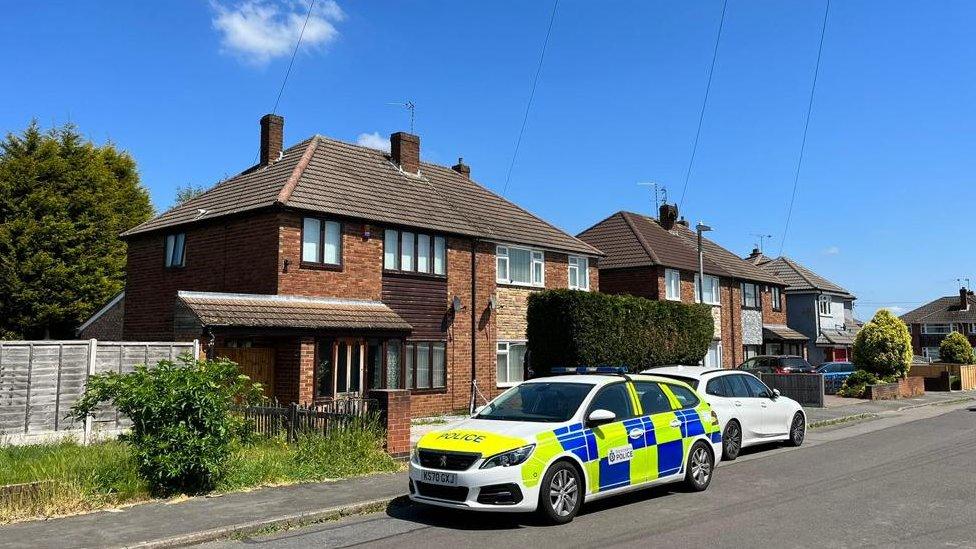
(806, 126)
(293, 54)
(701, 114)
(528, 106)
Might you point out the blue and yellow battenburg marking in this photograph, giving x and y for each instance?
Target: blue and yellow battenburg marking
(654, 447)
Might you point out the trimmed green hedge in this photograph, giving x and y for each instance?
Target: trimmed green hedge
(573, 328)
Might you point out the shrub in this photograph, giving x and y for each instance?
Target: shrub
(573, 328)
(182, 420)
(884, 346)
(856, 383)
(955, 348)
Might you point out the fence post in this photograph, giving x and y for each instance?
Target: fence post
(196, 349)
(292, 419)
(92, 349)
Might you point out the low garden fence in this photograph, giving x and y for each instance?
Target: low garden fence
(941, 376)
(807, 389)
(41, 380)
(289, 421)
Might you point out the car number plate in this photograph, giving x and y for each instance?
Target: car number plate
(433, 477)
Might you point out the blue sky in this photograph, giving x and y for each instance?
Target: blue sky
(887, 177)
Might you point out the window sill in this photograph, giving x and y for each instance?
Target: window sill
(320, 266)
(507, 385)
(430, 391)
(579, 289)
(413, 274)
(520, 285)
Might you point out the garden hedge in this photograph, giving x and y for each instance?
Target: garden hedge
(574, 328)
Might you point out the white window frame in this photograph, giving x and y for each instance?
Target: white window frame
(713, 283)
(536, 258)
(718, 353)
(672, 284)
(928, 331)
(581, 265)
(503, 347)
(776, 297)
(931, 353)
(821, 302)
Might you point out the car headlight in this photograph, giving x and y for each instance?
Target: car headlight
(414, 456)
(509, 458)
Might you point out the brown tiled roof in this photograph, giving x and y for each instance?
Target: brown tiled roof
(801, 279)
(333, 177)
(836, 337)
(942, 310)
(781, 332)
(634, 240)
(283, 311)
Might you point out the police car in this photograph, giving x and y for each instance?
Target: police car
(551, 443)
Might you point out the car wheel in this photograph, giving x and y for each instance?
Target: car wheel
(560, 494)
(798, 429)
(700, 466)
(731, 441)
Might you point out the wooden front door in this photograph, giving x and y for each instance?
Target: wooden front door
(340, 368)
(256, 363)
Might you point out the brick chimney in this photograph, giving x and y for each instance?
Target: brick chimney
(272, 138)
(756, 253)
(462, 168)
(963, 298)
(668, 216)
(405, 150)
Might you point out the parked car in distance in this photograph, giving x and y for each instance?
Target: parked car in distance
(781, 364)
(748, 411)
(835, 374)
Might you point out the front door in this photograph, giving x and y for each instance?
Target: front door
(341, 364)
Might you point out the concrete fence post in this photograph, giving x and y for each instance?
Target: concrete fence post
(92, 350)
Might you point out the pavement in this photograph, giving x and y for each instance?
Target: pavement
(898, 481)
(196, 520)
(839, 408)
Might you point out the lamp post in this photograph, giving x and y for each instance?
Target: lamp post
(701, 228)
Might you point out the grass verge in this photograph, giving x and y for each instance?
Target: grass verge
(837, 421)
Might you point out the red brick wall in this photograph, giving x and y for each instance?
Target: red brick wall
(769, 315)
(362, 262)
(639, 281)
(107, 327)
(395, 415)
(230, 255)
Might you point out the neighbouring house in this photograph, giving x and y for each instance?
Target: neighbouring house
(817, 308)
(930, 323)
(658, 259)
(106, 323)
(330, 268)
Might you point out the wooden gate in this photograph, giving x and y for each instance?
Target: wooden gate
(254, 362)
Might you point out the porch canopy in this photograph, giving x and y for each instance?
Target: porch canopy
(217, 309)
(837, 338)
(780, 332)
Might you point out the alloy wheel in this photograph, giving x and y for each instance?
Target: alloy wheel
(701, 467)
(733, 440)
(797, 430)
(563, 492)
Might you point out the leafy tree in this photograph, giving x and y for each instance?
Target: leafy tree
(883, 347)
(63, 203)
(955, 348)
(183, 424)
(186, 193)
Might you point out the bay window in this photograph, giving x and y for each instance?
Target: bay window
(579, 273)
(710, 290)
(414, 252)
(672, 284)
(321, 241)
(519, 266)
(510, 359)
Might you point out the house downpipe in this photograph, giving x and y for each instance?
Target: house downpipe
(474, 327)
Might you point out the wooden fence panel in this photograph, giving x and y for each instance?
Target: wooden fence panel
(41, 380)
(258, 363)
(807, 389)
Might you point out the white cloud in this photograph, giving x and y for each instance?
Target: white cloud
(258, 31)
(374, 141)
(832, 250)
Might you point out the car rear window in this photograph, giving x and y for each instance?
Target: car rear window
(689, 380)
(718, 387)
(684, 396)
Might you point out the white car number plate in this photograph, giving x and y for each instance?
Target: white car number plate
(434, 477)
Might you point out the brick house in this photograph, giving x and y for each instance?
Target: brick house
(818, 308)
(351, 268)
(930, 323)
(658, 259)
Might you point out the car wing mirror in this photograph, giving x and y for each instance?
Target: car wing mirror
(600, 416)
(775, 394)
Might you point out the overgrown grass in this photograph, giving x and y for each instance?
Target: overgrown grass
(84, 478)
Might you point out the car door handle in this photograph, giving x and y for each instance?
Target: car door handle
(763, 404)
(738, 403)
(636, 433)
(676, 423)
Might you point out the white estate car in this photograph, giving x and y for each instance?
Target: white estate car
(749, 412)
(550, 443)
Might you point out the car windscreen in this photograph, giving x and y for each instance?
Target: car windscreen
(541, 401)
(689, 380)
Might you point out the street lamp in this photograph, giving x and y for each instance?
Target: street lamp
(701, 228)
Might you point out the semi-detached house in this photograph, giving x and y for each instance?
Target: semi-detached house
(348, 268)
(658, 259)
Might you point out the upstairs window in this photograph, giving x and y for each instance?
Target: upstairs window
(175, 250)
(777, 298)
(321, 241)
(750, 295)
(414, 252)
(519, 266)
(579, 273)
(823, 305)
(672, 284)
(936, 329)
(710, 290)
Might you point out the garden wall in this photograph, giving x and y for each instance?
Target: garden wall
(41, 380)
